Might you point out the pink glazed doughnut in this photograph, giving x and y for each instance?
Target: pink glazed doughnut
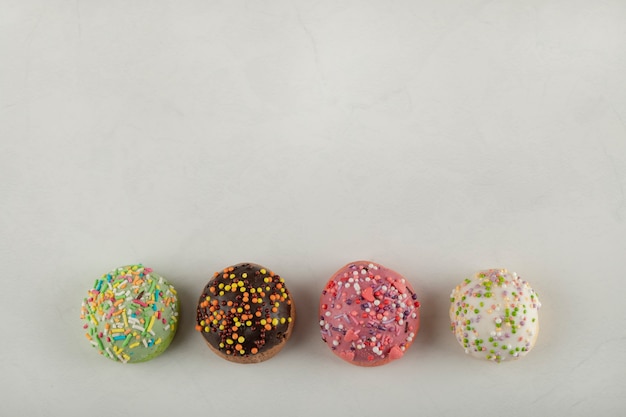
(369, 315)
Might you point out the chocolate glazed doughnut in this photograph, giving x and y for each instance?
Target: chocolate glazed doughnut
(245, 313)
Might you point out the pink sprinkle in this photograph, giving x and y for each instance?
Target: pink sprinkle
(395, 353)
(400, 286)
(141, 303)
(351, 336)
(368, 294)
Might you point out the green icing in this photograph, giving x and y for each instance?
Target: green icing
(131, 314)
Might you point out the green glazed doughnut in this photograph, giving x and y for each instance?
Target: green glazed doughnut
(131, 314)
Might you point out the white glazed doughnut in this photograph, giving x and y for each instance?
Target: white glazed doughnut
(494, 315)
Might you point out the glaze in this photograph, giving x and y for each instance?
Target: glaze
(130, 314)
(369, 314)
(245, 313)
(494, 315)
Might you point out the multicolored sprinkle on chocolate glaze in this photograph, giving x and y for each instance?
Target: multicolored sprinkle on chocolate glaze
(494, 315)
(369, 315)
(245, 313)
(130, 314)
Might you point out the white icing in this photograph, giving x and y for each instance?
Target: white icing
(497, 331)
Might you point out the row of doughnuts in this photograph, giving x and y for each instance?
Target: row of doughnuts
(369, 315)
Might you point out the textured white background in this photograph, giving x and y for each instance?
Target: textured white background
(434, 137)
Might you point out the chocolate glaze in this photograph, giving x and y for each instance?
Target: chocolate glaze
(225, 316)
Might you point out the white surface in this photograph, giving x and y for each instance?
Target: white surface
(434, 137)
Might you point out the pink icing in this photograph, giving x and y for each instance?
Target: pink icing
(369, 315)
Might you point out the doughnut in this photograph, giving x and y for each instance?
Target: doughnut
(131, 314)
(245, 313)
(494, 315)
(369, 315)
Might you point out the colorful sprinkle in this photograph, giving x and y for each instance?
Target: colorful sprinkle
(243, 311)
(121, 313)
(499, 320)
(375, 314)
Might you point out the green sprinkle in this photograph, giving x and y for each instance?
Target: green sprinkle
(100, 345)
(127, 340)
